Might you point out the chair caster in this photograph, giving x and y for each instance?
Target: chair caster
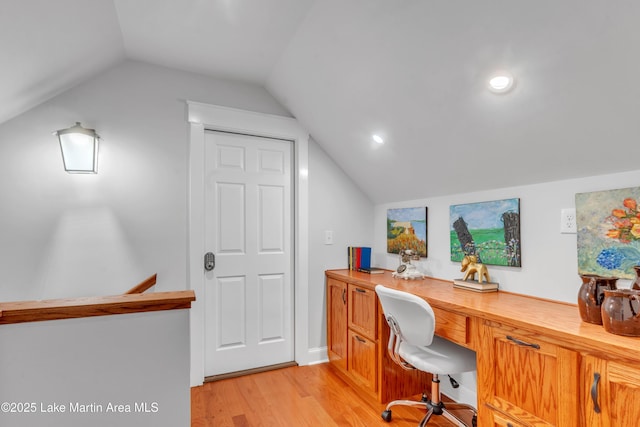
(386, 415)
(474, 421)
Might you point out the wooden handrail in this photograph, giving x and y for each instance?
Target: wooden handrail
(143, 286)
(69, 308)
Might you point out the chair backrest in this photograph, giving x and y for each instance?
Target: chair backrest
(413, 315)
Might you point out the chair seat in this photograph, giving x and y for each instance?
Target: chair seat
(442, 357)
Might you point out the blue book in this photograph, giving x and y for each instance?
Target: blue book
(365, 258)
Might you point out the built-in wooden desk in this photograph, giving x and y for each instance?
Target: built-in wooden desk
(538, 363)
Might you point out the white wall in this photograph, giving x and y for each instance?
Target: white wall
(84, 235)
(549, 258)
(128, 359)
(87, 235)
(337, 205)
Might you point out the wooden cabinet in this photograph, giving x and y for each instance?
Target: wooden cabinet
(610, 393)
(453, 326)
(357, 336)
(538, 363)
(524, 379)
(363, 310)
(337, 322)
(352, 332)
(362, 343)
(362, 360)
(502, 421)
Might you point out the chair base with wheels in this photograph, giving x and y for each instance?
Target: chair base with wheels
(434, 407)
(414, 345)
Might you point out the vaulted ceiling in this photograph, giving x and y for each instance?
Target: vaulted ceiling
(411, 71)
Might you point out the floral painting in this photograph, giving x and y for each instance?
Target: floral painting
(609, 232)
(489, 230)
(407, 229)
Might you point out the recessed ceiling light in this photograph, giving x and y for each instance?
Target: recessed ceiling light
(501, 83)
(378, 139)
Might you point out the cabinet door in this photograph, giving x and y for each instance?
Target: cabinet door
(337, 322)
(362, 311)
(526, 378)
(362, 360)
(611, 393)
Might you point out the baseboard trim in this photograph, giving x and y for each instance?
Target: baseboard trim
(317, 355)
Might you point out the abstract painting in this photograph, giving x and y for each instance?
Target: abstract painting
(608, 225)
(489, 230)
(407, 229)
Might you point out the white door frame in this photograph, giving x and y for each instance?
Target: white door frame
(203, 117)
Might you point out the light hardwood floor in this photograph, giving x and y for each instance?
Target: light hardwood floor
(300, 396)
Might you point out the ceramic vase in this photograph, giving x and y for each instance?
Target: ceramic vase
(636, 284)
(591, 296)
(621, 312)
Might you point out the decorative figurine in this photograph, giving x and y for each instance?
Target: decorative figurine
(406, 270)
(471, 266)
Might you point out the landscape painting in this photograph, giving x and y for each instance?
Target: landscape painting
(608, 224)
(407, 229)
(489, 230)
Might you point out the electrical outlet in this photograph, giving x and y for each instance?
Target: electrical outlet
(568, 220)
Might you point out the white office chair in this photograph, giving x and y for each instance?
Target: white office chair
(413, 345)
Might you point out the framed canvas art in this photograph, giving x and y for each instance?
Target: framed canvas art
(608, 224)
(407, 229)
(489, 230)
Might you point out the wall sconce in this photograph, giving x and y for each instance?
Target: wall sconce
(79, 149)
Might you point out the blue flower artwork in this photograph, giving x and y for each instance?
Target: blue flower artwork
(609, 232)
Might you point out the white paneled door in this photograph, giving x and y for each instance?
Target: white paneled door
(248, 226)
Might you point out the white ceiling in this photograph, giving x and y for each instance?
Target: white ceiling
(413, 71)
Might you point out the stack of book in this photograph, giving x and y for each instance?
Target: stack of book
(360, 260)
(474, 285)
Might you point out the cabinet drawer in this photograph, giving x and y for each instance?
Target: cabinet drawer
(501, 421)
(452, 326)
(362, 360)
(362, 311)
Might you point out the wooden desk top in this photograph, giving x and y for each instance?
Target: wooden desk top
(555, 321)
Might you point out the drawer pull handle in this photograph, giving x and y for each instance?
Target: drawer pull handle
(523, 343)
(359, 339)
(344, 295)
(594, 392)
(509, 425)
(362, 291)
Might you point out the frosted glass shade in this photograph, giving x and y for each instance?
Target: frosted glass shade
(79, 149)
